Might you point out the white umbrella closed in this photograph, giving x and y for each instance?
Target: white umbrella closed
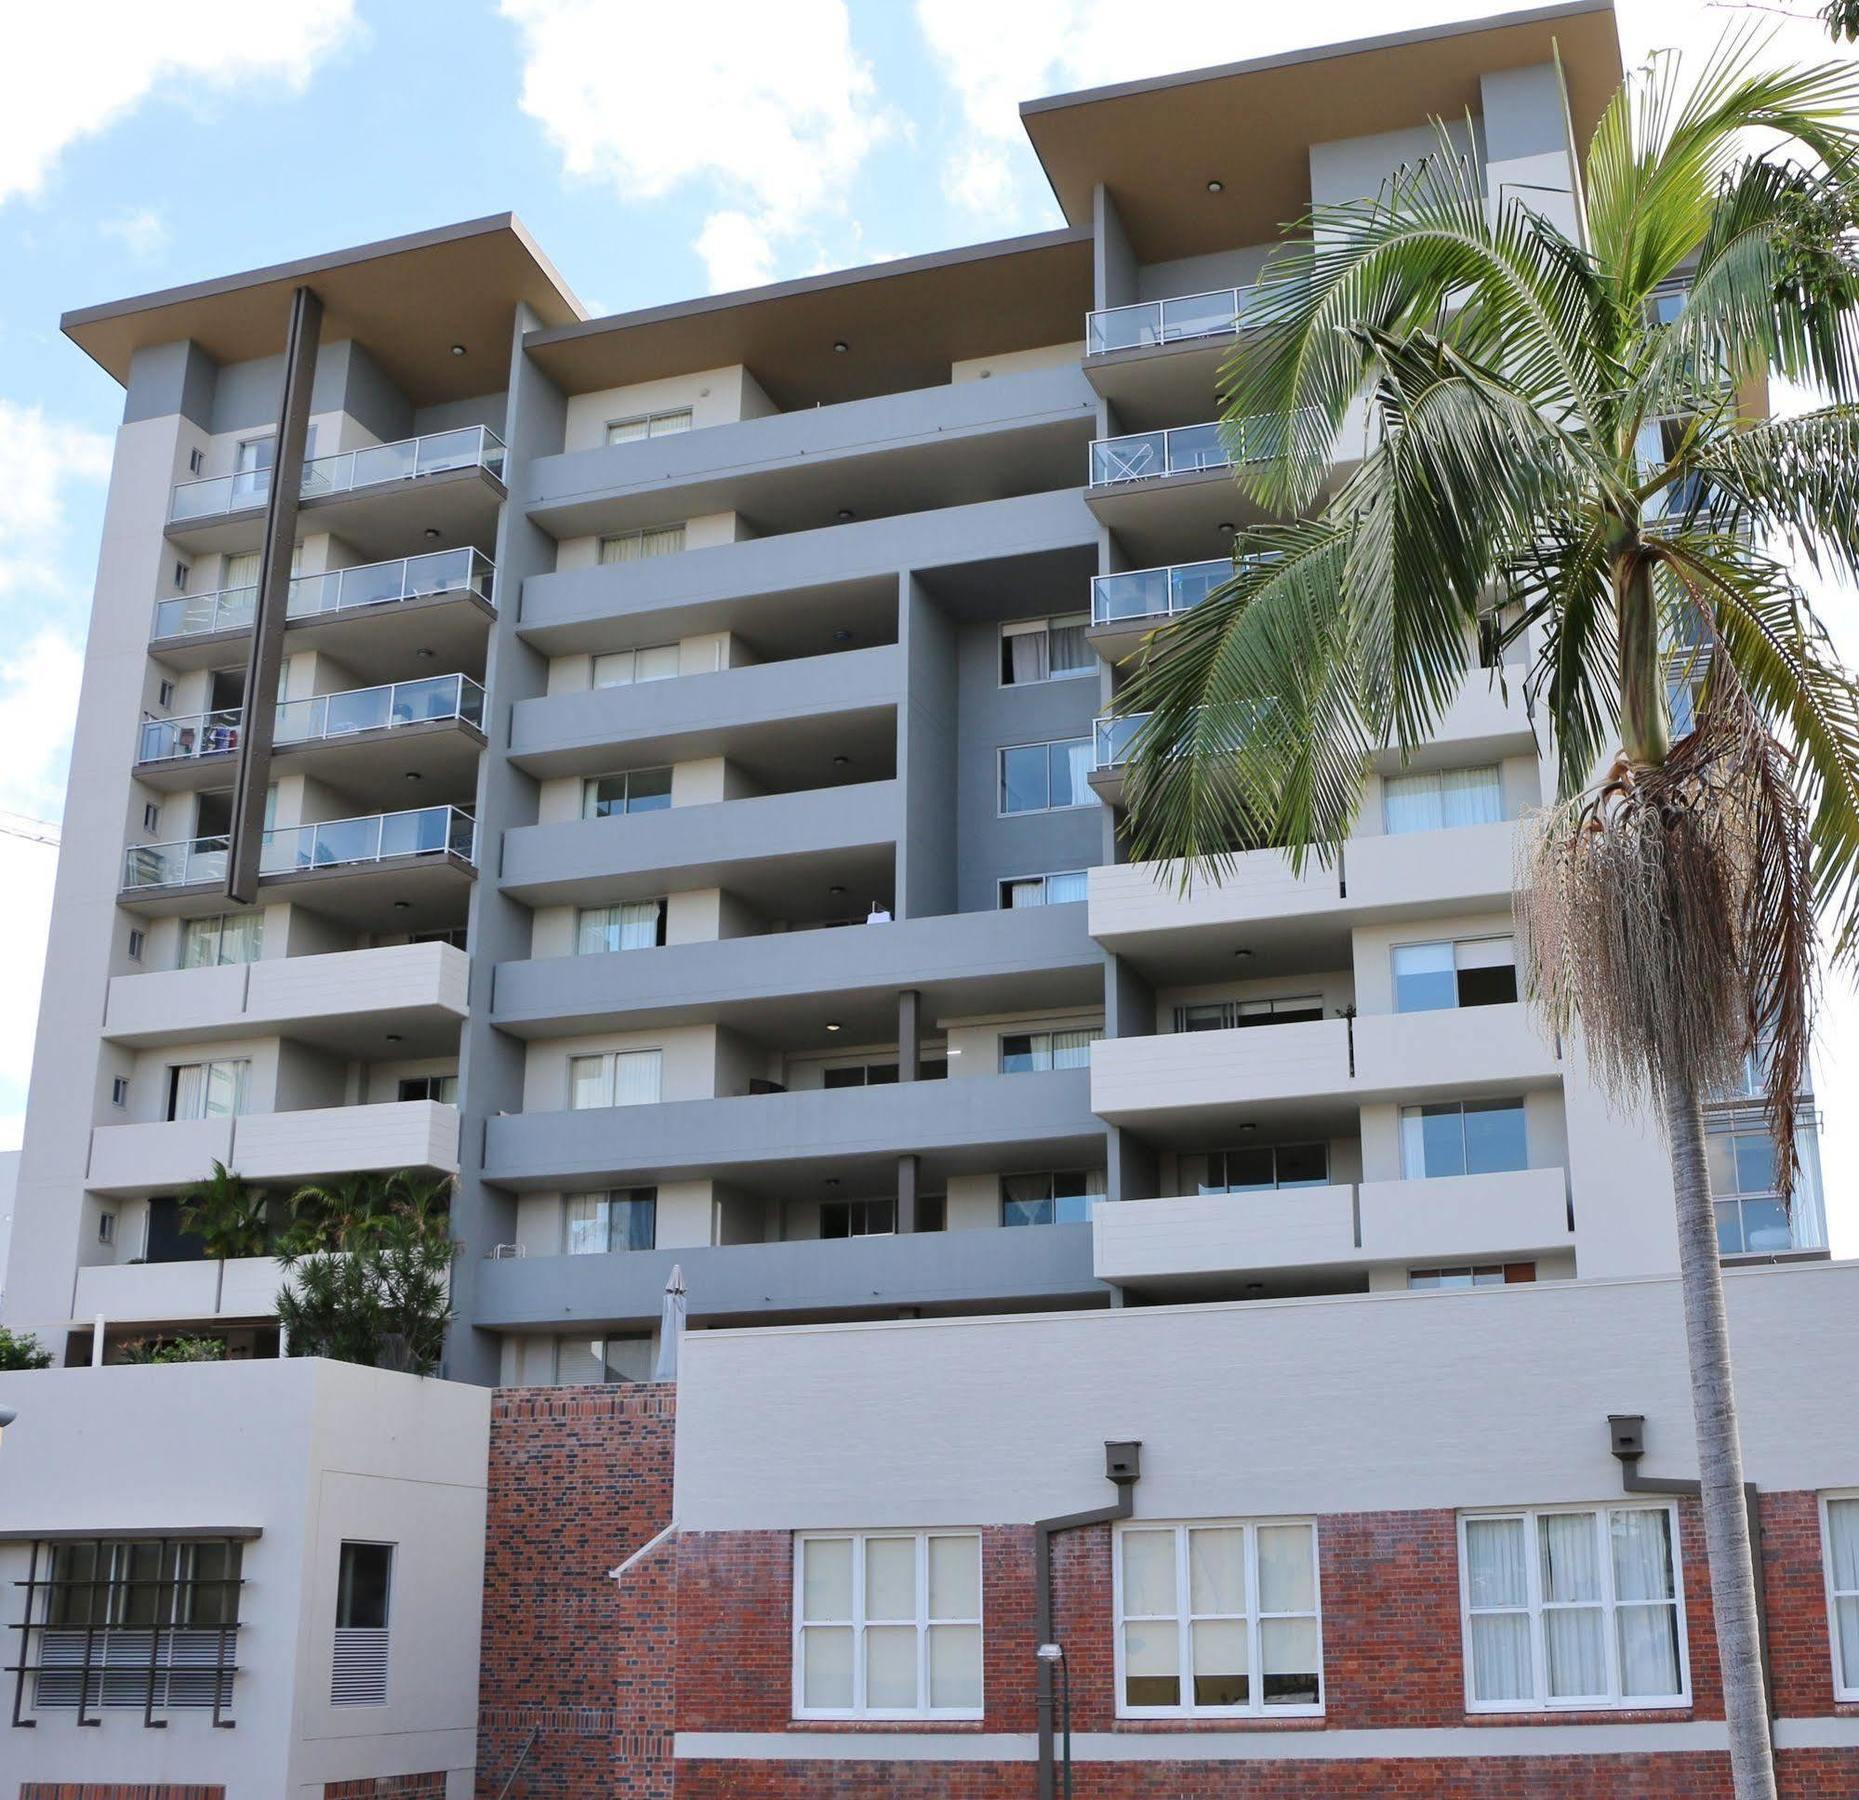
(671, 1327)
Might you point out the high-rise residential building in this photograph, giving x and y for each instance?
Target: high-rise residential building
(660, 772)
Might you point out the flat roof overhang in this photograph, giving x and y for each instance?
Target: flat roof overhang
(409, 299)
(903, 324)
(1155, 144)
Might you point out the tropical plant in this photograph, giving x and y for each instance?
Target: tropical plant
(1841, 18)
(175, 1350)
(385, 1299)
(227, 1215)
(1566, 455)
(21, 1350)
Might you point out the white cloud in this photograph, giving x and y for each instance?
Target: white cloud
(39, 459)
(38, 698)
(143, 232)
(76, 69)
(766, 110)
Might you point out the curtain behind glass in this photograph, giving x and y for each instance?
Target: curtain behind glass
(636, 1077)
(1030, 655)
(1843, 1551)
(1646, 1611)
(1069, 648)
(1572, 1618)
(1497, 1576)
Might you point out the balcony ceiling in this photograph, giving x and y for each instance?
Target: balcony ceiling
(408, 299)
(1155, 144)
(903, 324)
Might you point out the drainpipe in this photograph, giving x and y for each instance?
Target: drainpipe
(1627, 1440)
(1123, 1467)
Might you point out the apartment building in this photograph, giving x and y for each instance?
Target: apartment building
(661, 774)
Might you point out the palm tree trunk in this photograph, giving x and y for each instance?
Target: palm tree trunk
(1720, 1456)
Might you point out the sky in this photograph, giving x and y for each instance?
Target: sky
(655, 152)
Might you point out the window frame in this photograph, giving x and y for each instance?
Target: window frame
(1485, 1102)
(1844, 1691)
(1253, 1618)
(1389, 790)
(611, 1074)
(1094, 1034)
(639, 535)
(582, 913)
(635, 679)
(590, 785)
(1051, 1199)
(859, 1623)
(649, 419)
(1453, 945)
(1003, 811)
(1038, 625)
(1044, 878)
(1533, 1610)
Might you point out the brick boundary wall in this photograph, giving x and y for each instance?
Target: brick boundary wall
(696, 1638)
(117, 1790)
(429, 1786)
(579, 1479)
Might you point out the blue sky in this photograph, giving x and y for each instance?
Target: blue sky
(655, 151)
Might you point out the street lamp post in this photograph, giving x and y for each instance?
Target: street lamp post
(1055, 1653)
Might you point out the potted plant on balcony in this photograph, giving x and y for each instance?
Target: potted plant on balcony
(21, 1350)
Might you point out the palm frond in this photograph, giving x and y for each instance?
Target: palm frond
(1796, 479)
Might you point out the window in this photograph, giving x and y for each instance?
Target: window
(208, 1090)
(106, 1228)
(1463, 1137)
(1752, 1217)
(857, 1218)
(119, 1090)
(1026, 1052)
(1045, 777)
(164, 694)
(455, 935)
(443, 1088)
(627, 668)
(624, 1078)
(1044, 890)
(136, 942)
(1572, 1607)
(1201, 1608)
(637, 546)
(1255, 1169)
(1839, 1533)
(637, 791)
(880, 1074)
(251, 479)
(1448, 798)
(151, 816)
(222, 938)
(1237, 1015)
(633, 925)
(649, 425)
(1064, 1197)
(596, 1362)
(1045, 649)
(364, 1592)
(1472, 972)
(887, 1625)
(126, 1620)
(597, 1224)
(1472, 1275)
(181, 572)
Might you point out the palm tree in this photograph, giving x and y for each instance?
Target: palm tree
(1567, 452)
(229, 1216)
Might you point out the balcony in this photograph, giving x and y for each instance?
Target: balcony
(968, 1125)
(769, 850)
(1456, 1219)
(949, 445)
(1126, 607)
(159, 1157)
(440, 602)
(1111, 738)
(430, 849)
(787, 984)
(1160, 359)
(342, 1002)
(459, 471)
(941, 1271)
(352, 725)
(242, 1287)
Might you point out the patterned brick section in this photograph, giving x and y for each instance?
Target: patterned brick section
(430, 1786)
(116, 1790)
(576, 1665)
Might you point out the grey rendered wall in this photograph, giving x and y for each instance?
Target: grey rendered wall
(928, 740)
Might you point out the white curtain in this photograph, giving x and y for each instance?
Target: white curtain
(1497, 1576)
(200, 944)
(1442, 800)
(1026, 893)
(638, 925)
(1287, 1570)
(190, 1092)
(590, 1082)
(1843, 1552)
(1072, 1049)
(656, 662)
(587, 1224)
(1029, 653)
(636, 1077)
(1646, 1615)
(1572, 1617)
(1069, 648)
(1077, 774)
(1217, 1570)
(1070, 886)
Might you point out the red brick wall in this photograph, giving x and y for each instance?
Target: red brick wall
(430, 1786)
(106, 1790)
(580, 1478)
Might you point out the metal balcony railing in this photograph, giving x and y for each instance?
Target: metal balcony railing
(434, 698)
(1155, 593)
(194, 734)
(1144, 455)
(1112, 737)
(294, 849)
(469, 446)
(1219, 313)
(369, 584)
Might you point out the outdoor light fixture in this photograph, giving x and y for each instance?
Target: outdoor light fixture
(426, 651)
(414, 775)
(1242, 952)
(1216, 186)
(1249, 1126)
(832, 1024)
(432, 531)
(458, 349)
(842, 636)
(403, 906)
(845, 512)
(839, 762)
(393, 1037)
(1227, 526)
(840, 346)
(835, 890)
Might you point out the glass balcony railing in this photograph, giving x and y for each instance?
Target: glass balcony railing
(1112, 738)
(369, 584)
(470, 446)
(1220, 313)
(375, 837)
(1155, 593)
(435, 698)
(1144, 455)
(197, 734)
(176, 865)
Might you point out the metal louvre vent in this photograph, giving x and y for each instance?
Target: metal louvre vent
(358, 1674)
(133, 1668)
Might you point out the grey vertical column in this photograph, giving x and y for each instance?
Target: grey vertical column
(909, 1034)
(491, 1062)
(252, 781)
(1133, 1172)
(926, 756)
(908, 1171)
